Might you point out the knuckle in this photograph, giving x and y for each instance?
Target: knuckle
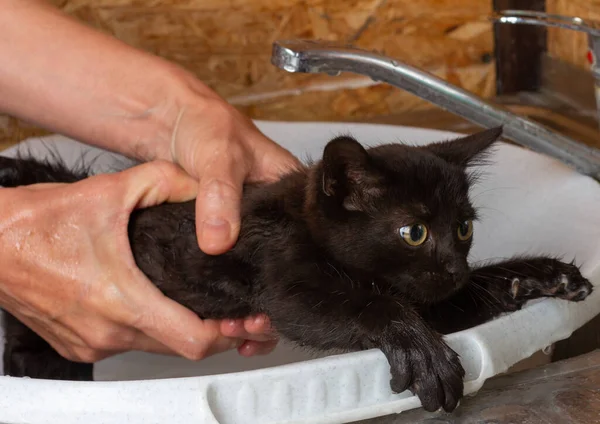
(106, 182)
(222, 113)
(219, 188)
(196, 353)
(163, 174)
(198, 349)
(104, 339)
(229, 158)
(87, 355)
(223, 121)
(68, 354)
(163, 168)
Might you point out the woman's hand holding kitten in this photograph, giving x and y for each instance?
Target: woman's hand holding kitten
(69, 274)
(116, 97)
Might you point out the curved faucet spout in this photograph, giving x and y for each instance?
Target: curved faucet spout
(530, 17)
(324, 57)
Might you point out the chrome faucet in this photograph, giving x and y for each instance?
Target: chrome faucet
(332, 58)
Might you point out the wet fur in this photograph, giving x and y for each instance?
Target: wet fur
(319, 253)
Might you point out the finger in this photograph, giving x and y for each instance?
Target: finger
(56, 329)
(157, 182)
(42, 186)
(42, 331)
(233, 328)
(179, 329)
(259, 325)
(60, 338)
(271, 160)
(223, 344)
(236, 329)
(254, 348)
(143, 306)
(144, 343)
(218, 203)
(99, 334)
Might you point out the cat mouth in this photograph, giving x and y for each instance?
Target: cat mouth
(428, 287)
(436, 287)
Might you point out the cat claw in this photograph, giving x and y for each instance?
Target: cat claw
(564, 283)
(514, 288)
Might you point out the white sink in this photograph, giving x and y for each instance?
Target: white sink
(530, 204)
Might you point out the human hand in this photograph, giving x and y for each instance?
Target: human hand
(126, 100)
(223, 149)
(68, 272)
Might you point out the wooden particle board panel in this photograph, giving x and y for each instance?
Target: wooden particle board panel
(227, 44)
(571, 46)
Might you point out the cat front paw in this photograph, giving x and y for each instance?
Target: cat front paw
(432, 371)
(559, 279)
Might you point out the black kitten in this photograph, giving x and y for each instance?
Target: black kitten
(366, 248)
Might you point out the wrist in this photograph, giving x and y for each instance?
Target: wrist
(104, 92)
(147, 119)
(178, 94)
(146, 123)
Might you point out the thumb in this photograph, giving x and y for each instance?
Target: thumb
(218, 204)
(272, 161)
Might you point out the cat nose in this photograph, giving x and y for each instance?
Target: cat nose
(452, 268)
(456, 273)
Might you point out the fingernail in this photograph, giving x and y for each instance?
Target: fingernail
(259, 321)
(245, 349)
(216, 232)
(236, 343)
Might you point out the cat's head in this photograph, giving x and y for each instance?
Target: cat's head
(400, 213)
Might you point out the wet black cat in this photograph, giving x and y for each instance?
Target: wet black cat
(366, 248)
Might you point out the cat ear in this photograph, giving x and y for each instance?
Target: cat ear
(348, 175)
(466, 151)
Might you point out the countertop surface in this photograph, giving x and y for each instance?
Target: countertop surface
(564, 392)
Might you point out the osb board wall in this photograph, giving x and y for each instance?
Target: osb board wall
(227, 44)
(571, 46)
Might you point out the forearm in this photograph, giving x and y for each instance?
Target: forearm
(71, 79)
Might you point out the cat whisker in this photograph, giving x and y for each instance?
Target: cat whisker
(454, 305)
(349, 279)
(493, 189)
(482, 289)
(318, 304)
(479, 296)
(489, 261)
(490, 277)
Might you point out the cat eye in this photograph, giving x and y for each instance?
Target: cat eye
(414, 235)
(465, 230)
